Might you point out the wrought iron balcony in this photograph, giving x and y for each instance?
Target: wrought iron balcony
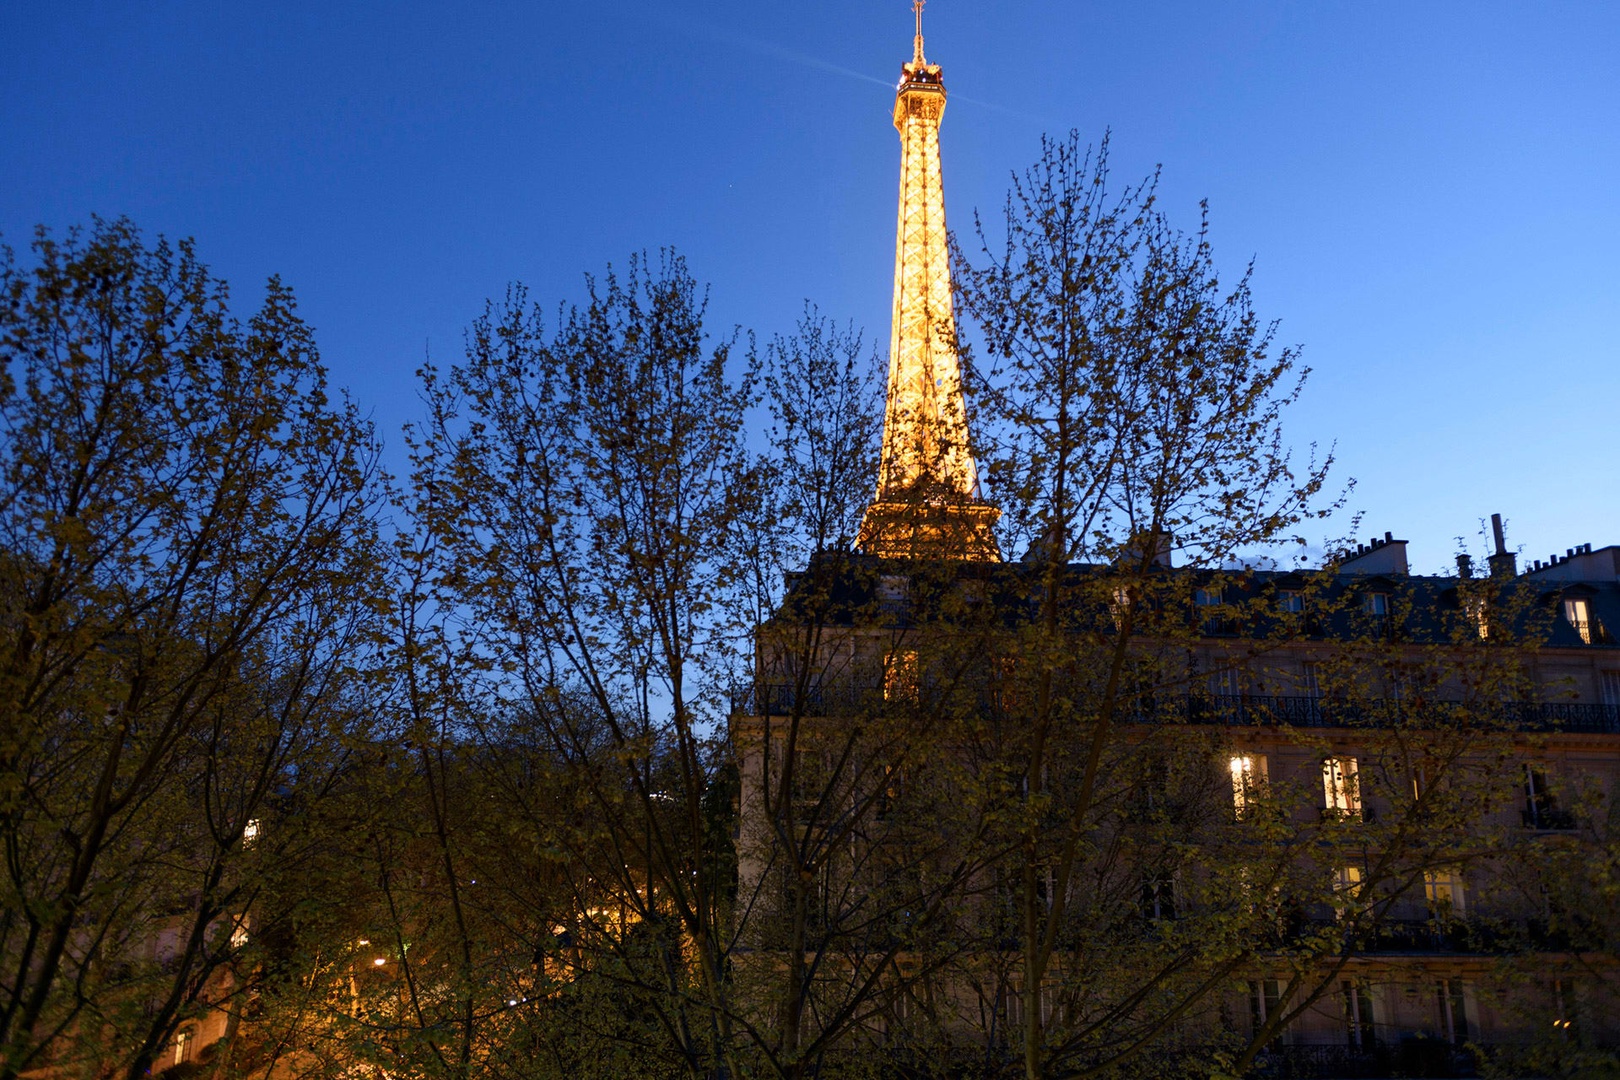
(1408, 1057)
(853, 697)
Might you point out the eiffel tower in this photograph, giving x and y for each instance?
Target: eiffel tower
(927, 504)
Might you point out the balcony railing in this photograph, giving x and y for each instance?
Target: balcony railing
(1409, 1057)
(851, 697)
(1547, 818)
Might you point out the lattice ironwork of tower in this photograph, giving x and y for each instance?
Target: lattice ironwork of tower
(927, 503)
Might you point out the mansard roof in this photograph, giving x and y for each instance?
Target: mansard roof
(857, 590)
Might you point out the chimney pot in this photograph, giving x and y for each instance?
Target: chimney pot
(1388, 537)
(1503, 563)
(1465, 567)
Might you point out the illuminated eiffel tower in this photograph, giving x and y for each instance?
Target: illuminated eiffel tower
(927, 504)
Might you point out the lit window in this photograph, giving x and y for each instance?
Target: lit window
(182, 1047)
(239, 934)
(1444, 891)
(250, 833)
(1341, 794)
(1578, 612)
(1120, 604)
(900, 676)
(1248, 778)
(1479, 614)
(1425, 775)
(1346, 889)
(1291, 601)
(1564, 1004)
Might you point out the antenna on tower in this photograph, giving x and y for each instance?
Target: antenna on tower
(917, 43)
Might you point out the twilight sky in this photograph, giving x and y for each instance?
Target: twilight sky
(1429, 190)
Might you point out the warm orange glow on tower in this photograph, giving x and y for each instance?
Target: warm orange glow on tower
(927, 503)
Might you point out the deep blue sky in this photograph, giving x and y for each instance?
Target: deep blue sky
(1429, 189)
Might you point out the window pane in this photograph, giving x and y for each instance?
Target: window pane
(1578, 612)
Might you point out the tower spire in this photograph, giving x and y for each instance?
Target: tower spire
(927, 503)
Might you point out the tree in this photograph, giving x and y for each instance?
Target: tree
(187, 573)
(1131, 404)
(595, 547)
(583, 496)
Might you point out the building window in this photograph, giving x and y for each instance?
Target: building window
(1227, 683)
(1209, 602)
(893, 594)
(1012, 1010)
(1479, 614)
(900, 676)
(1359, 1032)
(1248, 783)
(1265, 1003)
(1051, 1002)
(1376, 604)
(1443, 889)
(809, 783)
(1564, 1005)
(1578, 613)
(1346, 890)
(1609, 687)
(1046, 885)
(1451, 1006)
(239, 933)
(1159, 896)
(250, 833)
(182, 1046)
(1341, 790)
(1310, 679)
(1291, 601)
(1119, 606)
(1541, 810)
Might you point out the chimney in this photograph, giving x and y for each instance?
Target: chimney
(1465, 567)
(1386, 556)
(1156, 544)
(1503, 563)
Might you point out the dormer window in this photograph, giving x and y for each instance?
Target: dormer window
(1208, 601)
(1578, 613)
(1376, 604)
(1291, 601)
